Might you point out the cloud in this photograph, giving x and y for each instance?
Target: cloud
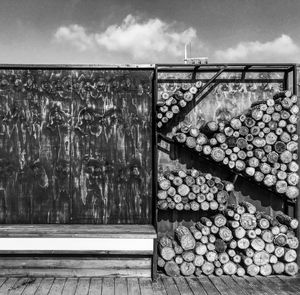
(75, 35)
(142, 40)
(281, 49)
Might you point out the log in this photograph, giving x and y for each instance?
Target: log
(172, 269)
(233, 223)
(188, 256)
(214, 229)
(206, 221)
(217, 154)
(183, 190)
(199, 260)
(263, 223)
(164, 184)
(208, 268)
(200, 249)
(241, 272)
(292, 192)
(160, 262)
(220, 245)
(248, 206)
(261, 258)
(229, 268)
(278, 268)
(251, 234)
(204, 240)
(281, 186)
(220, 220)
(211, 256)
(291, 269)
(236, 259)
(287, 220)
(286, 157)
(258, 244)
(266, 270)
(205, 230)
(280, 240)
(218, 271)
(223, 257)
(253, 270)
(225, 234)
(273, 259)
(165, 241)
(248, 221)
(187, 268)
(195, 232)
(204, 206)
(267, 236)
(290, 255)
(270, 248)
(211, 246)
(243, 243)
(239, 232)
(178, 259)
(198, 271)
(279, 251)
(167, 253)
(185, 238)
(293, 242)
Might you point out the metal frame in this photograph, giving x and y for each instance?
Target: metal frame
(286, 69)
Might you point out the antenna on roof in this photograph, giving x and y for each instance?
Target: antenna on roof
(193, 60)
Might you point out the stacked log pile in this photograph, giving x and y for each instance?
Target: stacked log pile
(261, 143)
(170, 105)
(192, 190)
(239, 241)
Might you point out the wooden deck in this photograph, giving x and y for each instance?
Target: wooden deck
(225, 285)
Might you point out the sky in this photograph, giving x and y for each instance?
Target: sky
(155, 31)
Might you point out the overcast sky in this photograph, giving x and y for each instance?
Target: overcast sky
(140, 31)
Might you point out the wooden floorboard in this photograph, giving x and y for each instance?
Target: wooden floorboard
(70, 286)
(108, 287)
(203, 285)
(44, 286)
(121, 286)
(146, 286)
(95, 286)
(57, 286)
(83, 286)
(195, 286)
(170, 286)
(183, 286)
(31, 288)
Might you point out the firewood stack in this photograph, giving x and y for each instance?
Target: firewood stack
(239, 241)
(261, 143)
(192, 190)
(170, 105)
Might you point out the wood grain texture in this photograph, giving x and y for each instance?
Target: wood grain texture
(75, 146)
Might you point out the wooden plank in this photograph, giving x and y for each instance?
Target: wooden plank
(264, 290)
(170, 286)
(143, 231)
(44, 286)
(146, 286)
(70, 286)
(108, 286)
(20, 285)
(83, 286)
(93, 272)
(77, 252)
(7, 285)
(293, 281)
(281, 285)
(121, 286)
(195, 286)
(208, 286)
(246, 285)
(221, 286)
(58, 286)
(234, 286)
(269, 285)
(158, 287)
(133, 286)
(95, 286)
(75, 262)
(31, 288)
(183, 286)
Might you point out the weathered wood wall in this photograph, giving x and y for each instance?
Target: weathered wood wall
(75, 146)
(230, 95)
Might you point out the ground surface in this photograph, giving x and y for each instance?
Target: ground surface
(275, 285)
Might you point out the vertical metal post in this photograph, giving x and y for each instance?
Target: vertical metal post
(154, 172)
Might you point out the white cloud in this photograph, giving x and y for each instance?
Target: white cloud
(281, 49)
(76, 35)
(145, 40)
